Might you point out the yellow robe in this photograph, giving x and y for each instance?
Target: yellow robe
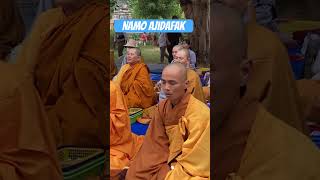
(123, 144)
(271, 81)
(136, 85)
(177, 144)
(27, 145)
(195, 86)
(275, 150)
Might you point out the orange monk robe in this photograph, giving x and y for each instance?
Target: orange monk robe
(195, 86)
(272, 81)
(275, 150)
(136, 85)
(177, 144)
(27, 144)
(124, 145)
(69, 55)
(309, 91)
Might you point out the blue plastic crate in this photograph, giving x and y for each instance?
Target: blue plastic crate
(155, 77)
(139, 129)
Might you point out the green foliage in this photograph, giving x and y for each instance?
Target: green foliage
(155, 9)
(112, 5)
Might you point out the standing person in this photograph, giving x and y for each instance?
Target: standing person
(121, 41)
(144, 38)
(163, 46)
(173, 39)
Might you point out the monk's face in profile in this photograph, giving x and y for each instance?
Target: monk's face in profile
(132, 56)
(174, 83)
(230, 69)
(182, 57)
(175, 51)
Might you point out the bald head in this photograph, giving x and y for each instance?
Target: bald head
(175, 50)
(174, 82)
(178, 69)
(228, 42)
(229, 36)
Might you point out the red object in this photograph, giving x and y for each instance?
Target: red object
(296, 57)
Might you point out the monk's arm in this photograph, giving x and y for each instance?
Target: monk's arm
(194, 160)
(119, 117)
(151, 161)
(142, 82)
(84, 97)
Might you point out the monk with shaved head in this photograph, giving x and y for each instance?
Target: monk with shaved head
(272, 81)
(249, 143)
(195, 86)
(177, 142)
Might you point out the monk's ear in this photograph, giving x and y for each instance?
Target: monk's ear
(245, 70)
(186, 84)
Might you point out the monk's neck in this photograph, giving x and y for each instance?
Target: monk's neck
(132, 65)
(174, 103)
(70, 8)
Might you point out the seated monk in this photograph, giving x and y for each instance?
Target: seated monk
(68, 48)
(272, 81)
(130, 44)
(124, 145)
(194, 86)
(177, 143)
(135, 82)
(249, 143)
(27, 145)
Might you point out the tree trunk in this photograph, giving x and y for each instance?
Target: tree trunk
(199, 12)
(297, 9)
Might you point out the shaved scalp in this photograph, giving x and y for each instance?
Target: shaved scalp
(179, 47)
(185, 52)
(177, 67)
(229, 34)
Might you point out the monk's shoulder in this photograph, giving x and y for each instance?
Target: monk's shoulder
(48, 19)
(264, 38)
(192, 75)
(50, 14)
(143, 67)
(195, 106)
(283, 135)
